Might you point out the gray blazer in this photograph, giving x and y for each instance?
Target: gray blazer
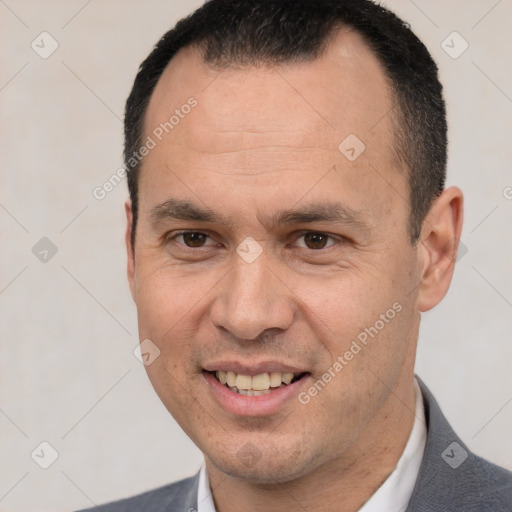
(451, 479)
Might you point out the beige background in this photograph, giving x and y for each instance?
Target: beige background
(68, 375)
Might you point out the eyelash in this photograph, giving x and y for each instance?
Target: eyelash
(171, 238)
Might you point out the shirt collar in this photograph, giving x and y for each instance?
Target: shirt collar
(396, 491)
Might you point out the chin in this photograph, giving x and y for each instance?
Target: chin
(261, 464)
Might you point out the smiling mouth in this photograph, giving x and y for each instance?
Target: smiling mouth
(261, 384)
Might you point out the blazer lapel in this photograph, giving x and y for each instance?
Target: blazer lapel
(450, 476)
(185, 499)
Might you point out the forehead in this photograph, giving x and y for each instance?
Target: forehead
(343, 91)
(276, 122)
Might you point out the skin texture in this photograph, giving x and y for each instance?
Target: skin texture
(261, 140)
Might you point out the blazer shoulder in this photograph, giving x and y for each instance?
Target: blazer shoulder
(451, 477)
(178, 496)
(496, 482)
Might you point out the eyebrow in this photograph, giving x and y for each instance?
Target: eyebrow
(179, 209)
(332, 212)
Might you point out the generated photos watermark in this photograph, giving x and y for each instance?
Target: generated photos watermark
(363, 338)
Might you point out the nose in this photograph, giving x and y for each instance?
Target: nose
(251, 300)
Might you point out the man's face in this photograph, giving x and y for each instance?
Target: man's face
(259, 153)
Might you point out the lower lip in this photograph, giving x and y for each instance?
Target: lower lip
(262, 405)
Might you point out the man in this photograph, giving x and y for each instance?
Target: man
(288, 224)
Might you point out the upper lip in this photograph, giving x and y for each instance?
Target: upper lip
(253, 369)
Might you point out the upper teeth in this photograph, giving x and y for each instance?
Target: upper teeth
(259, 382)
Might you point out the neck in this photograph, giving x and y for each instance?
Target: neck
(349, 480)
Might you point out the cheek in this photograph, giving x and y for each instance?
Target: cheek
(366, 317)
(169, 310)
(345, 304)
(167, 299)
(368, 341)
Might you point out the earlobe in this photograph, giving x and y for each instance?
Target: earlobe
(130, 250)
(439, 243)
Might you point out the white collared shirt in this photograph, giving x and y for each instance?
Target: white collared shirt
(393, 495)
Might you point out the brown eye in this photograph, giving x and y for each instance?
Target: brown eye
(316, 240)
(194, 239)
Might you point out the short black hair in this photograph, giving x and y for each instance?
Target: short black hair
(252, 32)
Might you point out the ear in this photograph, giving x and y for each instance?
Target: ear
(439, 242)
(130, 250)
